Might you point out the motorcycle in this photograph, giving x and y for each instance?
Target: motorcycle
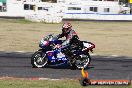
(49, 55)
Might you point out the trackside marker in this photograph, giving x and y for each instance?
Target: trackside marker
(84, 74)
(85, 81)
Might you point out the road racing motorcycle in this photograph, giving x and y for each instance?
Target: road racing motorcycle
(49, 55)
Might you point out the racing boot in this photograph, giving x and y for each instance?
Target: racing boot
(72, 59)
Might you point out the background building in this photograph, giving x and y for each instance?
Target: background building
(2, 5)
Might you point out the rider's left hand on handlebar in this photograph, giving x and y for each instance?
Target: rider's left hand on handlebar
(57, 46)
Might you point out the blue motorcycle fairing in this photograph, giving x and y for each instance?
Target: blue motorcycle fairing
(55, 56)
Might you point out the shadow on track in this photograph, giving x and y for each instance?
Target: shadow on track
(65, 67)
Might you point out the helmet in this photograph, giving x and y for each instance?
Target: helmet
(66, 27)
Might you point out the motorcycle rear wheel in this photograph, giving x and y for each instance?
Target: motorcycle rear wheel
(81, 62)
(39, 59)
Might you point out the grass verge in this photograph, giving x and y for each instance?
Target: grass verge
(49, 84)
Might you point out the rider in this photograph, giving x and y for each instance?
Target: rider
(72, 41)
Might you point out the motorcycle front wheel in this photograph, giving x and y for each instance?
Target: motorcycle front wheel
(39, 59)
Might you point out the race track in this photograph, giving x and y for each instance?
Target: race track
(15, 64)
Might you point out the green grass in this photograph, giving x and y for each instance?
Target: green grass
(49, 84)
(22, 21)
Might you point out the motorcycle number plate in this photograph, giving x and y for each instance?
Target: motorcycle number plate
(88, 45)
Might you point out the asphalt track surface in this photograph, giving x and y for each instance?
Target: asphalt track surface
(18, 65)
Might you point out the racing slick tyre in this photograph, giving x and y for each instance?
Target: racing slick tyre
(81, 61)
(39, 59)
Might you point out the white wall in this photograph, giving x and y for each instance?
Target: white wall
(14, 8)
(114, 7)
